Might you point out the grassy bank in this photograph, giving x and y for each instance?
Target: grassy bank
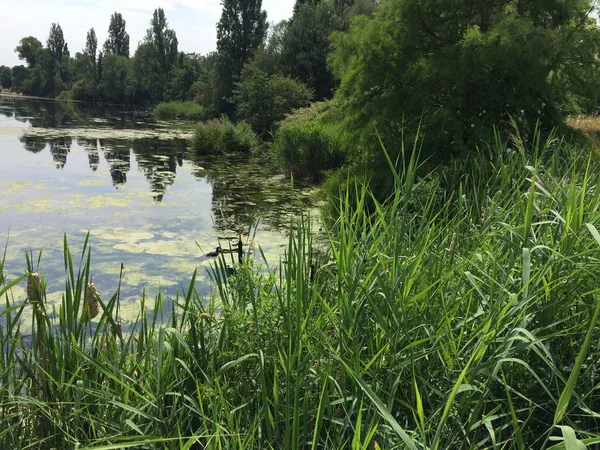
(463, 318)
(179, 110)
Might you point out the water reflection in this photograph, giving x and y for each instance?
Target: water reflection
(59, 149)
(92, 147)
(243, 188)
(61, 114)
(106, 180)
(119, 163)
(33, 144)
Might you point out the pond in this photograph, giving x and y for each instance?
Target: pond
(146, 199)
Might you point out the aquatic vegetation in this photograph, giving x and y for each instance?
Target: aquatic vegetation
(462, 319)
(182, 110)
(90, 133)
(309, 149)
(220, 136)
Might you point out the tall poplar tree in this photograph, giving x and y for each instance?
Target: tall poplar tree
(56, 43)
(164, 38)
(91, 47)
(117, 42)
(240, 31)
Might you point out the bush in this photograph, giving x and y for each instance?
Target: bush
(180, 110)
(264, 100)
(316, 110)
(310, 148)
(221, 136)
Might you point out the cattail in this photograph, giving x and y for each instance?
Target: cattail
(450, 248)
(117, 328)
(90, 303)
(33, 287)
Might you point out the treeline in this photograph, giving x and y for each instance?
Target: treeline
(107, 74)
(254, 60)
(446, 75)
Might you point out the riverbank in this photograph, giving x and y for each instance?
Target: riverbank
(442, 319)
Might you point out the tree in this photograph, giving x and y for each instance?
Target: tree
(116, 85)
(91, 46)
(299, 3)
(150, 80)
(182, 79)
(29, 49)
(56, 43)
(264, 100)
(164, 39)
(19, 75)
(5, 77)
(460, 67)
(240, 31)
(117, 42)
(305, 46)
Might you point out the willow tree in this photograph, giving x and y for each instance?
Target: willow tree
(460, 67)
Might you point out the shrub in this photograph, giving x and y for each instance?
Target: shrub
(315, 110)
(221, 136)
(181, 110)
(264, 100)
(310, 148)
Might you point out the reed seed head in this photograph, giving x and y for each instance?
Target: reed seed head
(90, 303)
(33, 287)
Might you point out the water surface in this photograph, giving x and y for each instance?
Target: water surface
(147, 200)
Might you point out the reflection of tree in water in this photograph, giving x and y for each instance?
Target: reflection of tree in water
(60, 148)
(6, 112)
(92, 148)
(33, 144)
(246, 189)
(119, 162)
(49, 114)
(60, 114)
(158, 160)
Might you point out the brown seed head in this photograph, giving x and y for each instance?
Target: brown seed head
(33, 287)
(90, 303)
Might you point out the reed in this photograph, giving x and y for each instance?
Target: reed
(462, 319)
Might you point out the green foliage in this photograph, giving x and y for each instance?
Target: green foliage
(308, 149)
(117, 42)
(240, 31)
(220, 136)
(316, 110)
(181, 81)
(181, 110)
(19, 75)
(461, 322)
(149, 79)
(305, 46)
(264, 100)
(460, 68)
(91, 46)
(116, 84)
(56, 43)
(29, 49)
(164, 39)
(6, 77)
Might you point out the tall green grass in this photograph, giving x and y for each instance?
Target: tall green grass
(180, 110)
(465, 319)
(309, 149)
(218, 136)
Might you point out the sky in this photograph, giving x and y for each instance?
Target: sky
(193, 20)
